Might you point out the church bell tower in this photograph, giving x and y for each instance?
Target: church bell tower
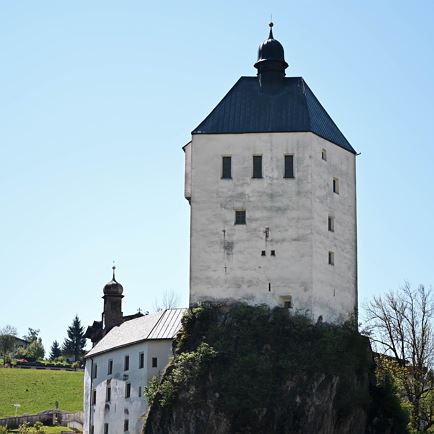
(271, 183)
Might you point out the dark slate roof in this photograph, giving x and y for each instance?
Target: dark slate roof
(291, 107)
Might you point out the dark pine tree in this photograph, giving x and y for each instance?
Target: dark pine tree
(55, 351)
(75, 342)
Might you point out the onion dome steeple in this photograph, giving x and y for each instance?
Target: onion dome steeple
(271, 63)
(113, 287)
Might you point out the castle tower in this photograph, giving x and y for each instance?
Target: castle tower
(112, 315)
(271, 182)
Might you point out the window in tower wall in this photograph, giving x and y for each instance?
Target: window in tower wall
(331, 223)
(331, 258)
(257, 166)
(108, 392)
(95, 371)
(106, 427)
(127, 390)
(110, 367)
(240, 217)
(227, 167)
(336, 185)
(324, 155)
(126, 423)
(127, 363)
(141, 360)
(289, 166)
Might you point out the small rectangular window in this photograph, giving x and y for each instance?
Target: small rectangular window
(110, 367)
(126, 363)
(106, 427)
(257, 166)
(336, 185)
(263, 253)
(289, 166)
(286, 301)
(331, 224)
(273, 253)
(324, 155)
(154, 362)
(126, 425)
(95, 371)
(331, 258)
(140, 391)
(92, 429)
(108, 393)
(93, 397)
(141, 360)
(240, 217)
(226, 167)
(127, 390)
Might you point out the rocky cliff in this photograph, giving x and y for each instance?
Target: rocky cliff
(243, 369)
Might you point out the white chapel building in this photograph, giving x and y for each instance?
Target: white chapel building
(271, 183)
(118, 368)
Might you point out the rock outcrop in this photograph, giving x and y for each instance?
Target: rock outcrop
(243, 369)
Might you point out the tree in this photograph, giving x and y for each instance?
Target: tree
(7, 341)
(32, 335)
(400, 325)
(168, 300)
(75, 342)
(55, 351)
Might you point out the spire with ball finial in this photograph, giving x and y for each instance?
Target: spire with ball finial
(271, 63)
(270, 36)
(113, 287)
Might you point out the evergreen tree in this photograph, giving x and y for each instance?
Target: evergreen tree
(75, 342)
(32, 335)
(55, 351)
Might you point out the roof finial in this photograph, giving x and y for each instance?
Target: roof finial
(114, 268)
(270, 36)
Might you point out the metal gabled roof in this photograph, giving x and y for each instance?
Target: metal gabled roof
(290, 106)
(168, 324)
(160, 325)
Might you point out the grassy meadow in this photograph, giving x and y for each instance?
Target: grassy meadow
(38, 390)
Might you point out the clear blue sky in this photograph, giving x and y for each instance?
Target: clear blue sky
(97, 99)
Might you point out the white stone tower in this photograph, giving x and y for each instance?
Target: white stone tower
(271, 183)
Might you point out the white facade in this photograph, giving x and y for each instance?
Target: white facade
(119, 367)
(114, 408)
(286, 215)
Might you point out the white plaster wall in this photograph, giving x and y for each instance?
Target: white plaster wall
(120, 408)
(335, 287)
(225, 259)
(187, 180)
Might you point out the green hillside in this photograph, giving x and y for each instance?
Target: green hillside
(38, 390)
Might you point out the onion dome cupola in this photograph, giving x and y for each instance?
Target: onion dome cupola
(271, 62)
(113, 287)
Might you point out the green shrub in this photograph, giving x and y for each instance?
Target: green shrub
(24, 428)
(185, 367)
